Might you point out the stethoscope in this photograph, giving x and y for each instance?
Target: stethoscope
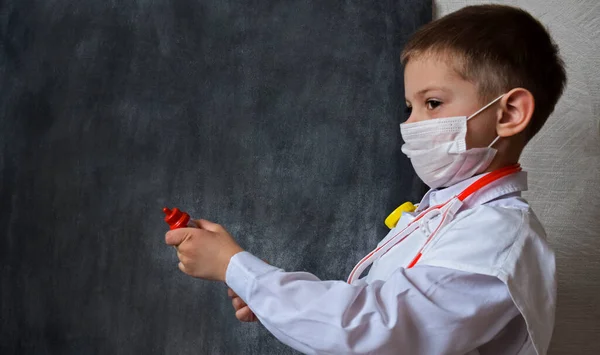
(446, 210)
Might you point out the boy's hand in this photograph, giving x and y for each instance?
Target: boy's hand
(242, 311)
(205, 251)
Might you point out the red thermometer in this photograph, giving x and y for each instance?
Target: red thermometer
(176, 218)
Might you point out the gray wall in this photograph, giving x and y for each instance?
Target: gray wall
(276, 119)
(564, 169)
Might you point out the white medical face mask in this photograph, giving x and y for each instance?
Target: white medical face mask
(438, 150)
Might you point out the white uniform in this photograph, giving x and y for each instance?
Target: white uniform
(486, 285)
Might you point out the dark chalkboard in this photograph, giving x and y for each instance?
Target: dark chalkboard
(277, 119)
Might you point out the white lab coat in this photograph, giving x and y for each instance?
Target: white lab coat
(485, 286)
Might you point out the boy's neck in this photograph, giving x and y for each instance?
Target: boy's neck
(509, 152)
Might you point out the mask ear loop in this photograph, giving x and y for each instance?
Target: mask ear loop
(486, 106)
(494, 141)
(482, 109)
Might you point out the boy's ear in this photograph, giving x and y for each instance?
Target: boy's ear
(517, 108)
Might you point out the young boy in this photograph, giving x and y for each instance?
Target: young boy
(468, 272)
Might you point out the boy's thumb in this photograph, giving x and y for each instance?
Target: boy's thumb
(208, 225)
(176, 237)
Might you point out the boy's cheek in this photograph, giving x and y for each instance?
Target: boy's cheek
(480, 135)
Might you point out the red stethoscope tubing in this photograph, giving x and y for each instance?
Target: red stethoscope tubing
(474, 187)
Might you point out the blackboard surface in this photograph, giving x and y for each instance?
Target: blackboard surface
(277, 119)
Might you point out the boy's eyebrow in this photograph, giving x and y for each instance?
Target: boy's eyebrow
(430, 88)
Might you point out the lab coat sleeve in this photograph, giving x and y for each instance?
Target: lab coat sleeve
(423, 310)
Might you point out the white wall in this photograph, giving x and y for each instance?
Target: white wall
(564, 168)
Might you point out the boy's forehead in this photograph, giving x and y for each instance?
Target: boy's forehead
(426, 72)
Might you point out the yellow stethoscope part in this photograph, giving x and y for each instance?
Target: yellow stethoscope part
(394, 217)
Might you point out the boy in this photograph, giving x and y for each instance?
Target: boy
(453, 277)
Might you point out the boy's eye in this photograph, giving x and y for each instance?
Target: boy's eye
(432, 104)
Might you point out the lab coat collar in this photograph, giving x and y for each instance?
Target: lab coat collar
(514, 183)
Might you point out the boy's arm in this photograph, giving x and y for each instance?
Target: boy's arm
(423, 310)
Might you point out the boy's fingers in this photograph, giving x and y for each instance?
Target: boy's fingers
(208, 225)
(231, 293)
(176, 236)
(238, 303)
(181, 267)
(245, 315)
